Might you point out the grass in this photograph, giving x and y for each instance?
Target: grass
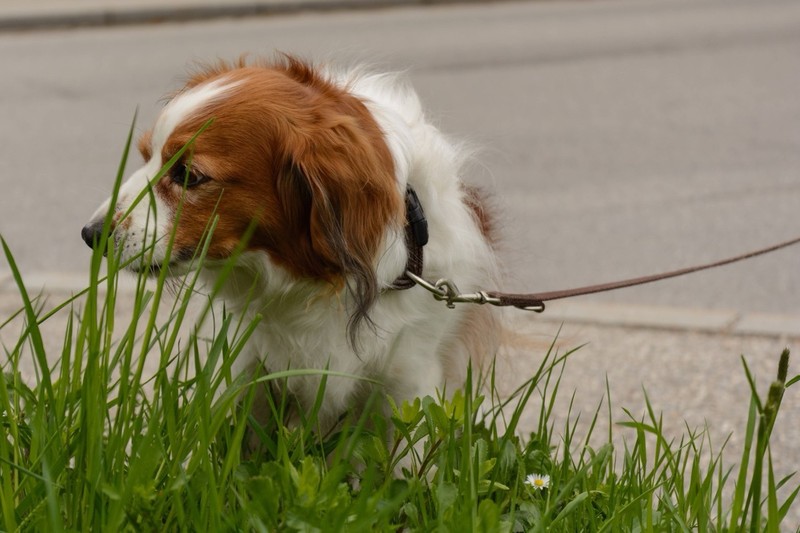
(93, 442)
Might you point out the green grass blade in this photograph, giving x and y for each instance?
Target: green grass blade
(39, 351)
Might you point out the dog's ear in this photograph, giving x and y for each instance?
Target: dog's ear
(339, 186)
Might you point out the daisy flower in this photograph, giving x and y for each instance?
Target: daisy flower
(538, 481)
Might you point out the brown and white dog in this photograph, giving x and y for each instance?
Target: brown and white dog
(321, 162)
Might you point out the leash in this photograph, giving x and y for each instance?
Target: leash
(445, 290)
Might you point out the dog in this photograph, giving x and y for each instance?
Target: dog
(341, 183)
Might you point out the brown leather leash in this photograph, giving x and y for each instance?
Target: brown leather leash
(445, 290)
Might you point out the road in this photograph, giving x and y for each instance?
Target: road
(620, 137)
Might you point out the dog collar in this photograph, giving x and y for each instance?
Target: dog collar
(416, 231)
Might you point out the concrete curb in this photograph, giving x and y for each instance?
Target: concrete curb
(675, 318)
(578, 311)
(52, 14)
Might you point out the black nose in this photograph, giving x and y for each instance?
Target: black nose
(91, 233)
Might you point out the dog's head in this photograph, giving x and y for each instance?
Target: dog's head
(282, 153)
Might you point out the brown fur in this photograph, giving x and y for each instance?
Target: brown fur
(477, 200)
(299, 157)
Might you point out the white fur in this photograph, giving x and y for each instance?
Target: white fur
(417, 342)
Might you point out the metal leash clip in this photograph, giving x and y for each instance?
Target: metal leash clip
(445, 290)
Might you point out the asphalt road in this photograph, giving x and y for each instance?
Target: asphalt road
(620, 137)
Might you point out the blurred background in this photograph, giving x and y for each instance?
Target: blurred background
(618, 137)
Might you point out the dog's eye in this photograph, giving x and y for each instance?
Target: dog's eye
(184, 175)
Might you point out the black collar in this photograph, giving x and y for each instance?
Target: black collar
(416, 238)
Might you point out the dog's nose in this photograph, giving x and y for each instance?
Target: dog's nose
(91, 232)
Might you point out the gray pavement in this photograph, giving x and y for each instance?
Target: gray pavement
(683, 116)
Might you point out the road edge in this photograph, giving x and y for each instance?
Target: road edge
(43, 15)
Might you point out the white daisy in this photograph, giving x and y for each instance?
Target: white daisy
(538, 481)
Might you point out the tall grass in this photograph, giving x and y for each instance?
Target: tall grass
(137, 424)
